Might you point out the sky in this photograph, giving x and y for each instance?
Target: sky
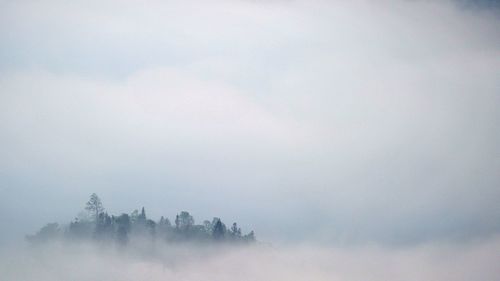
(336, 122)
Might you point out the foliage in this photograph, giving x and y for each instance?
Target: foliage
(121, 229)
(94, 206)
(48, 232)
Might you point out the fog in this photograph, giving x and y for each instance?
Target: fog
(358, 138)
(475, 261)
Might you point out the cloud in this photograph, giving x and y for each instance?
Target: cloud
(324, 120)
(80, 262)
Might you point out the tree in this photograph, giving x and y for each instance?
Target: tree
(250, 237)
(235, 231)
(219, 230)
(49, 231)
(134, 216)
(164, 222)
(151, 227)
(140, 225)
(98, 225)
(94, 206)
(104, 227)
(207, 226)
(184, 221)
(164, 226)
(142, 216)
(123, 228)
(177, 222)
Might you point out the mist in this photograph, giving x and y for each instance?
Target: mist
(359, 139)
(80, 262)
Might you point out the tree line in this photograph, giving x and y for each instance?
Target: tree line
(101, 226)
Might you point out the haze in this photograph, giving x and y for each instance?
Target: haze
(366, 127)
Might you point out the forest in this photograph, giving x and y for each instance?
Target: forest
(97, 225)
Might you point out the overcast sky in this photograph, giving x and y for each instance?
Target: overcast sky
(329, 121)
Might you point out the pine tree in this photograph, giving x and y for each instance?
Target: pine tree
(94, 206)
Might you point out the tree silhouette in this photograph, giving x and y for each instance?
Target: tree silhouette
(186, 221)
(123, 228)
(235, 231)
(94, 206)
(99, 226)
(219, 230)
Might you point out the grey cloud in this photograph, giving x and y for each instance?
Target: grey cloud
(328, 121)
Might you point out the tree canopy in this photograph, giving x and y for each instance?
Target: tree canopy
(94, 206)
(121, 229)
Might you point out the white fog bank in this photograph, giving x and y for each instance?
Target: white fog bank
(472, 261)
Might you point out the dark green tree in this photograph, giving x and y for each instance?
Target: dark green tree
(219, 230)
